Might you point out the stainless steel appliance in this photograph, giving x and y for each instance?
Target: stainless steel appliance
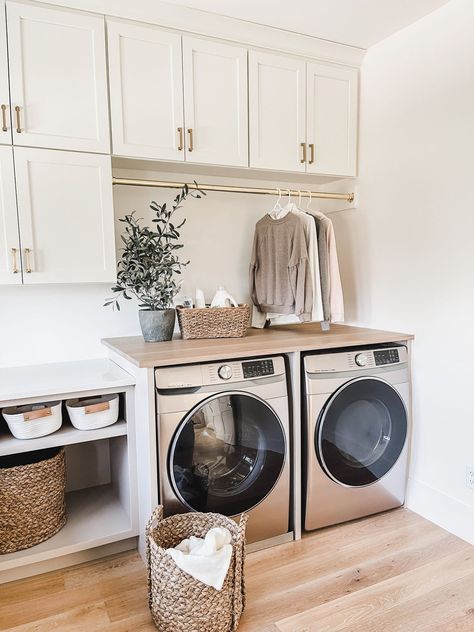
(356, 429)
(224, 439)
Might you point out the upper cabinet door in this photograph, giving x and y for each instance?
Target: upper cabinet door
(332, 120)
(58, 78)
(146, 91)
(5, 126)
(215, 102)
(66, 216)
(277, 112)
(10, 266)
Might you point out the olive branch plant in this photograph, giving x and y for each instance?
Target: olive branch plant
(149, 259)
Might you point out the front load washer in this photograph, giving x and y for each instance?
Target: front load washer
(356, 428)
(224, 442)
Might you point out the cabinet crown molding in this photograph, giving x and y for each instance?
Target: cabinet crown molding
(222, 27)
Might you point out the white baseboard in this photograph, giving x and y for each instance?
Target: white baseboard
(445, 511)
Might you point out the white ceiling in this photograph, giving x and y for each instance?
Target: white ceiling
(357, 22)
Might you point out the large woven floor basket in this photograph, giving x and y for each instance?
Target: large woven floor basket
(32, 493)
(180, 603)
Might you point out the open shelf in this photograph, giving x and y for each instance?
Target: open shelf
(95, 517)
(66, 435)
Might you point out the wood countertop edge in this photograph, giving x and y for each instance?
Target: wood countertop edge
(257, 342)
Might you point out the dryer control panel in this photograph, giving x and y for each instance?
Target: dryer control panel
(356, 360)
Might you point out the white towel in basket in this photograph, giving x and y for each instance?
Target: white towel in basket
(206, 559)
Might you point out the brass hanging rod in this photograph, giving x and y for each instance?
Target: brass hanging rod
(133, 182)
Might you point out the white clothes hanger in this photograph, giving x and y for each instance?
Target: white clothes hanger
(273, 212)
(307, 209)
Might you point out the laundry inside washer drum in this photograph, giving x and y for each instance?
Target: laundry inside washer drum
(223, 455)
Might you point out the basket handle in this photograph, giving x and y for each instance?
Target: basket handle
(239, 574)
(156, 518)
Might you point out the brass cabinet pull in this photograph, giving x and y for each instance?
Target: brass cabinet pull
(28, 269)
(191, 139)
(4, 118)
(311, 153)
(180, 132)
(18, 124)
(303, 159)
(15, 265)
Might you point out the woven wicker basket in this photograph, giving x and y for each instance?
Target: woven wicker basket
(213, 322)
(32, 493)
(180, 603)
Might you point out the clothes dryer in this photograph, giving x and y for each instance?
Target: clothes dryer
(356, 428)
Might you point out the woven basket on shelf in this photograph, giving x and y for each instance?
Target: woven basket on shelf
(32, 498)
(213, 322)
(180, 603)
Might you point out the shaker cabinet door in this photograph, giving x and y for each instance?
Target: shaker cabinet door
(277, 112)
(66, 216)
(146, 91)
(58, 78)
(215, 102)
(10, 266)
(332, 120)
(5, 125)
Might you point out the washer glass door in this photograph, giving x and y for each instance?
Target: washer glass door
(361, 432)
(227, 454)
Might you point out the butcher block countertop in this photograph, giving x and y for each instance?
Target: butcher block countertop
(274, 340)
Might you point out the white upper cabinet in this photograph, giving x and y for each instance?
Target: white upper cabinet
(5, 126)
(58, 78)
(10, 265)
(332, 119)
(277, 111)
(66, 216)
(146, 91)
(215, 102)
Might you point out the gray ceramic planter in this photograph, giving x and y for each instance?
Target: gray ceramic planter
(157, 325)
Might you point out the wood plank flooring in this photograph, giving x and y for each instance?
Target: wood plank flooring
(388, 573)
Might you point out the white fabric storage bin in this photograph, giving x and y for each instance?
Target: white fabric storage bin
(89, 413)
(33, 420)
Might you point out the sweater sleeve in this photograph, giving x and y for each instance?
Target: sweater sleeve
(252, 271)
(303, 290)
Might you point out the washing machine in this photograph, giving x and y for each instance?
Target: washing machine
(224, 442)
(356, 428)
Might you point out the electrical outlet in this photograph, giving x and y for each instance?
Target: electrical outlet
(470, 476)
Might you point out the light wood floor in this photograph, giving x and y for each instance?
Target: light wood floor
(392, 572)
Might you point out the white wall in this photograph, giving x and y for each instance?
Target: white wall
(408, 254)
(66, 322)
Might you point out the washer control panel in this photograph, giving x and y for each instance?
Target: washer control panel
(387, 356)
(258, 368)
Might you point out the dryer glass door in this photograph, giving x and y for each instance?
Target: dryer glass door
(227, 454)
(361, 432)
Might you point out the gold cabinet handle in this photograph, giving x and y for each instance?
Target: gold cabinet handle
(18, 123)
(28, 269)
(180, 145)
(15, 265)
(4, 118)
(303, 159)
(311, 153)
(191, 139)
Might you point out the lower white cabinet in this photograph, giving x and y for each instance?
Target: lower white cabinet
(332, 119)
(10, 266)
(66, 219)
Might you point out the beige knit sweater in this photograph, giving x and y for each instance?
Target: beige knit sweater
(280, 277)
